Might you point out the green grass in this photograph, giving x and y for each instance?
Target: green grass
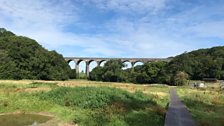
(95, 97)
(108, 106)
(24, 86)
(88, 106)
(205, 105)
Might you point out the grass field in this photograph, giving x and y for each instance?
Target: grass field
(85, 103)
(205, 105)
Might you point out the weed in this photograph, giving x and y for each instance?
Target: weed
(88, 103)
(206, 106)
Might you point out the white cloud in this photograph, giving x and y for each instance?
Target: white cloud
(131, 5)
(37, 12)
(208, 29)
(146, 36)
(41, 20)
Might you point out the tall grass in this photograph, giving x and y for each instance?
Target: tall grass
(206, 106)
(108, 106)
(88, 106)
(94, 97)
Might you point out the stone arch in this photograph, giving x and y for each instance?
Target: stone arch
(81, 67)
(101, 61)
(136, 63)
(79, 61)
(72, 64)
(128, 63)
(69, 60)
(92, 64)
(90, 61)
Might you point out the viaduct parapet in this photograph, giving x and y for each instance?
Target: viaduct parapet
(88, 60)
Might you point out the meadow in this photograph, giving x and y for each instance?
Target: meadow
(205, 105)
(84, 103)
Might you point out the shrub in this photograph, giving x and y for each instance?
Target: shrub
(180, 78)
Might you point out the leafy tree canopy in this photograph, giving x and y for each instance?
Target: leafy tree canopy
(24, 58)
(199, 64)
(196, 65)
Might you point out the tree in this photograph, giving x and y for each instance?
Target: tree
(141, 78)
(196, 65)
(199, 64)
(113, 71)
(24, 58)
(72, 74)
(181, 78)
(96, 74)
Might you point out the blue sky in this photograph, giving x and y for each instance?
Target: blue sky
(117, 28)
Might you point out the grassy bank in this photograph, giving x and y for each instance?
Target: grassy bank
(205, 105)
(87, 103)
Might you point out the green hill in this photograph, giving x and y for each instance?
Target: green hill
(24, 58)
(199, 64)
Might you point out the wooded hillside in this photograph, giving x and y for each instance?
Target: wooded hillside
(24, 58)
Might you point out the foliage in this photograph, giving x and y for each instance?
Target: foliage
(180, 78)
(151, 73)
(97, 73)
(148, 73)
(81, 75)
(112, 72)
(24, 58)
(199, 64)
(72, 74)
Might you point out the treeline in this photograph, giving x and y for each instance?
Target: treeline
(199, 64)
(196, 65)
(24, 58)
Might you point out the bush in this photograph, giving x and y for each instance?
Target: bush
(180, 78)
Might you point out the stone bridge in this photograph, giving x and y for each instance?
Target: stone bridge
(88, 60)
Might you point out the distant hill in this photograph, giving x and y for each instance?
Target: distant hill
(199, 64)
(24, 58)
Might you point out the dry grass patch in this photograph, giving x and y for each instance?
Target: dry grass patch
(206, 106)
(16, 82)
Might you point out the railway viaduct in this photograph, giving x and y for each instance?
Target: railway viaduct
(88, 60)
